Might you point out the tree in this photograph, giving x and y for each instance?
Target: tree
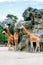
(13, 17)
(11, 26)
(3, 38)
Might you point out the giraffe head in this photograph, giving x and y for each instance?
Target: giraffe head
(22, 27)
(5, 26)
(3, 32)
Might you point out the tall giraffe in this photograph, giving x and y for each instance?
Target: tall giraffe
(33, 38)
(10, 39)
(9, 35)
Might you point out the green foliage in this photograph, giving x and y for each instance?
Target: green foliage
(11, 28)
(14, 18)
(3, 38)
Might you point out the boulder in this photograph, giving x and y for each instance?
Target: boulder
(24, 44)
(27, 24)
(35, 12)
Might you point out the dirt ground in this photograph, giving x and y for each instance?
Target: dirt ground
(19, 58)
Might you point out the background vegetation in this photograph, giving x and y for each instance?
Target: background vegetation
(3, 38)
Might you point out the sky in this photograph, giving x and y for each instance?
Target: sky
(17, 7)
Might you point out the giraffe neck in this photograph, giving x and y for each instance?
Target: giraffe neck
(26, 31)
(7, 34)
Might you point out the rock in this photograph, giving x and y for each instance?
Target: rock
(27, 24)
(35, 12)
(41, 10)
(6, 21)
(36, 17)
(24, 44)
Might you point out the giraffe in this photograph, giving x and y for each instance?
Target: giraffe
(10, 39)
(16, 37)
(9, 36)
(32, 38)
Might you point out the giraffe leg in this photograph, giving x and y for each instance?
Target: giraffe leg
(16, 45)
(13, 45)
(32, 48)
(8, 45)
(37, 47)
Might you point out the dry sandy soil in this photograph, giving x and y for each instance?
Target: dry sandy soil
(19, 58)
